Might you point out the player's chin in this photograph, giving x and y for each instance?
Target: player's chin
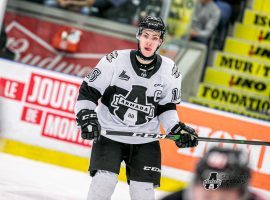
(148, 53)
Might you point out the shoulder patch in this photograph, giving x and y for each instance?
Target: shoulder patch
(111, 56)
(175, 71)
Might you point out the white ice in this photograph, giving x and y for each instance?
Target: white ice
(25, 179)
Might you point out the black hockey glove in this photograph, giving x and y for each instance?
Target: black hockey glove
(88, 121)
(188, 136)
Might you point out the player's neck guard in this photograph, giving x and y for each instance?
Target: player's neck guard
(147, 67)
(141, 56)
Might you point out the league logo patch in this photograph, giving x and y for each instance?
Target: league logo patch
(123, 76)
(93, 74)
(111, 56)
(175, 71)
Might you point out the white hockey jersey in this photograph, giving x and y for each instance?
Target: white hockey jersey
(129, 99)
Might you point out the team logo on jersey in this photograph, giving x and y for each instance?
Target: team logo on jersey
(123, 76)
(133, 107)
(93, 74)
(111, 56)
(175, 71)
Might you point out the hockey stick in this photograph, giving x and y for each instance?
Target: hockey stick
(176, 137)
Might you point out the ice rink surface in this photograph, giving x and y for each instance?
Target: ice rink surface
(25, 179)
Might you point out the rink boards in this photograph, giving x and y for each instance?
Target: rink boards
(37, 122)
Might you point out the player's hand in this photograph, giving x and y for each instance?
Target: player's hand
(88, 121)
(188, 136)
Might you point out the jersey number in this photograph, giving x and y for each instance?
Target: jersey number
(176, 96)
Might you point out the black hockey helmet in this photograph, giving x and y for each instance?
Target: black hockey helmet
(230, 165)
(153, 23)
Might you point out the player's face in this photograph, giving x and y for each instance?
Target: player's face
(200, 193)
(149, 42)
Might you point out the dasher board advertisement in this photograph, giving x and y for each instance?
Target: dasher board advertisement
(252, 33)
(261, 5)
(235, 80)
(257, 18)
(37, 109)
(242, 64)
(249, 49)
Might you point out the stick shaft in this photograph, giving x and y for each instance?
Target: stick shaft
(173, 137)
(262, 143)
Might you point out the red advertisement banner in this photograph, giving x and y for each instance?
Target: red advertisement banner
(11, 89)
(31, 40)
(31, 115)
(52, 93)
(62, 128)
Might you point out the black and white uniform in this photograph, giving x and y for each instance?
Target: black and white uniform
(129, 98)
(132, 99)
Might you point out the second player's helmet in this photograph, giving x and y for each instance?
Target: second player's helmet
(153, 23)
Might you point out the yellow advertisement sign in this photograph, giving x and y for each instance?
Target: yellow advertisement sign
(242, 64)
(249, 49)
(256, 18)
(261, 5)
(252, 33)
(228, 108)
(234, 97)
(235, 80)
(180, 16)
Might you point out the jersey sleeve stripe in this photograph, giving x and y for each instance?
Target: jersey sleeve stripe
(89, 93)
(163, 108)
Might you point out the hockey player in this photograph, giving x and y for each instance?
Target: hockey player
(135, 91)
(220, 175)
